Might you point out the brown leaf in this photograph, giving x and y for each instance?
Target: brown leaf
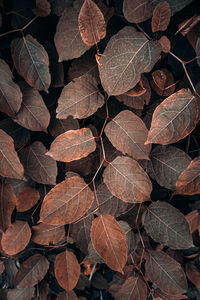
(40, 167)
(31, 271)
(165, 43)
(127, 181)
(66, 202)
(67, 39)
(43, 8)
(138, 90)
(16, 237)
(166, 273)
(59, 126)
(10, 165)
(2, 267)
(45, 234)
(21, 294)
(30, 194)
(131, 238)
(174, 118)
(193, 219)
(10, 94)
(72, 145)
(80, 98)
(193, 273)
(188, 24)
(107, 12)
(163, 82)
(67, 270)
(137, 11)
(67, 296)
(31, 61)
(109, 241)
(167, 225)
(161, 17)
(7, 205)
(132, 132)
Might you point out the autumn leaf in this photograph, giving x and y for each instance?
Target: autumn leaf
(27, 193)
(161, 17)
(46, 234)
(7, 205)
(137, 11)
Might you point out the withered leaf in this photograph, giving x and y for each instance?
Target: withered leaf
(167, 225)
(31, 271)
(43, 8)
(10, 94)
(21, 294)
(109, 241)
(80, 98)
(193, 273)
(174, 118)
(163, 82)
(72, 145)
(40, 167)
(127, 181)
(66, 202)
(137, 11)
(27, 198)
(16, 237)
(10, 165)
(46, 234)
(132, 132)
(67, 296)
(161, 17)
(166, 273)
(7, 205)
(67, 270)
(31, 61)
(119, 68)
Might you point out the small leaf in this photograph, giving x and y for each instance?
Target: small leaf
(7, 205)
(161, 17)
(45, 234)
(137, 11)
(43, 8)
(27, 193)
(31, 61)
(163, 82)
(165, 43)
(193, 274)
(167, 225)
(21, 294)
(67, 270)
(2, 267)
(109, 241)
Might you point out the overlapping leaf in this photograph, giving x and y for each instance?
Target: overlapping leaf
(161, 17)
(59, 126)
(67, 296)
(27, 193)
(7, 205)
(137, 11)
(46, 234)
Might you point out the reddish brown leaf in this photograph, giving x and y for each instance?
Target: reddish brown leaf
(7, 205)
(137, 11)
(109, 241)
(132, 132)
(66, 202)
(16, 237)
(10, 165)
(67, 296)
(161, 17)
(138, 90)
(193, 219)
(58, 126)
(193, 273)
(127, 181)
(67, 270)
(72, 145)
(165, 43)
(21, 294)
(27, 198)
(43, 8)
(45, 234)
(188, 24)
(163, 82)
(2, 267)
(174, 118)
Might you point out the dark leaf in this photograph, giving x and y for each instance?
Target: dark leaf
(59, 126)
(137, 11)
(161, 17)
(67, 296)
(45, 234)
(27, 193)
(7, 205)
(43, 8)
(193, 274)
(21, 294)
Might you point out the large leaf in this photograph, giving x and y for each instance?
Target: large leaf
(67, 39)
(45, 234)
(7, 205)
(119, 68)
(31, 61)
(167, 225)
(10, 165)
(137, 11)
(109, 241)
(174, 118)
(10, 94)
(132, 132)
(127, 181)
(72, 145)
(66, 202)
(80, 98)
(40, 167)
(165, 272)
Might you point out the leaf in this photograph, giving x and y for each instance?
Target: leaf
(80, 98)
(193, 273)
(166, 273)
(31, 61)
(163, 82)
(33, 113)
(188, 183)
(127, 181)
(174, 118)
(165, 43)
(161, 17)
(10, 165)
(167, 225)
(66, 202)
(31, 271)
(10, 94)
(119, 68)
(16, 237)
(45, 234)
(59, 126)
(72, 145)
(166, 164)
(2, 267)
(7, 205)
(175, 5)
(40, 167)
(193, 219)
(67, 296)
(67, 39)
(109, 241)
(137, 11)
(132, 132)
(198, 50)
(67, 270)
(43, 8)
(27, 193)
(21, 294)
(92, 25)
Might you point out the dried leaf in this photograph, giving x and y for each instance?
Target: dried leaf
(27, 193)
(137, 11)
(21, 294)
(67, 296)
(174, 118)
(167, 225)
(67, 270)
(193, 273)
(59, 126)
(119, 72)
(16, 237)
(43, 8)
(31, 61)
(163, 82)
(161, 17)
(66, 202)
(45, 234)
(165, 43)
(193, 219)
(132, 132)
(109, 241)
(127, 181)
